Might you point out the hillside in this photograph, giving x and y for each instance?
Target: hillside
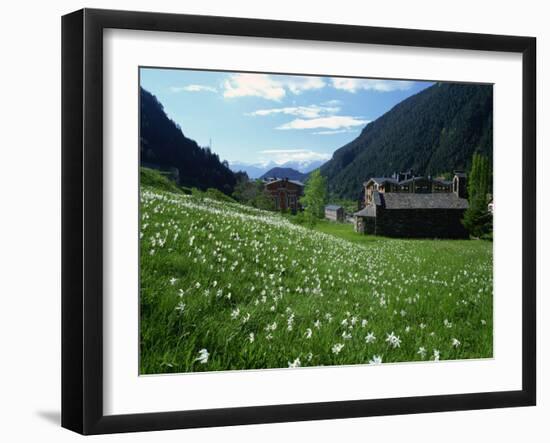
(229, 287)
(289, 173)
(432, 132)
(163, 145)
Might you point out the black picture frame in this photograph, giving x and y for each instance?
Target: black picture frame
(82, 218)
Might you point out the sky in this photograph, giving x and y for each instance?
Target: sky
(263, 118)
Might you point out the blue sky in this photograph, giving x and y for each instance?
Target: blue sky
(262, 118)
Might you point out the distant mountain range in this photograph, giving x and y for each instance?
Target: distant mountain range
(433, 132)
(257, 170)
(289, 173)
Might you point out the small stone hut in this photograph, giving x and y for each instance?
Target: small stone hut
(334, 213)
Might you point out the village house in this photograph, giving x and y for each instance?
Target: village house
(405, 182)
(334, 213)
(414, 207)
(285, 194)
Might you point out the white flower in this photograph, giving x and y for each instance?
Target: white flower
(317, 324)
(290, 322)
(271, 327)
(346, 336)
(246, 317)
(197, 285)
(393, 340)
(370, 338)
(483, 322)
(251, 337)
(375, 360)
(337, 348)
(203, 356)
(436, 355)
(309, 332)
(295, 364)
(455, 342)
(180, 307)
(447, 323)
(173, 281)
(235, 313)
(422, 351)
(364, 323)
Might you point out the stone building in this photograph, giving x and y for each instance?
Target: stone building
(423, 214)
(285, 194)
(334, 213)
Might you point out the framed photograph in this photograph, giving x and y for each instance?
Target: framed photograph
(269, 221)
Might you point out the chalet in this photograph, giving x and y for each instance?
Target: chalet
(414, 185)
(422, 207)
(285, 193)
(334, 213)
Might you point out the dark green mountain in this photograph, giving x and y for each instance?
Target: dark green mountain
(163, 146)
(433, 132)
(289, 173)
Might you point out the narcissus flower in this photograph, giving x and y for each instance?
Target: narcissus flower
(203, 356)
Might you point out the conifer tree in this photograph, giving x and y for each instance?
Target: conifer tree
(477, 219)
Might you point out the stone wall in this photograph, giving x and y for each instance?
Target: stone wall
(334, 215)
(420, 223)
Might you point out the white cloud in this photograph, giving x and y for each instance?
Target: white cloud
(193, 88)
(356, 84)
(297, 85)
(303, 156)
(269, 87)
(256, 85)
(332, 122)
(333, 102)
(311, 111)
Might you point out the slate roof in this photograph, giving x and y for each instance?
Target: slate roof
(405, 200)
(296, 182)
(381, 180)
(434, 180)
(410, 180)
(333, 207)
(367, 211)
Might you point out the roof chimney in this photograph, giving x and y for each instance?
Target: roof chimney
(459, 184)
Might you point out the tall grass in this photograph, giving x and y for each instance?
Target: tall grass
(225, 286)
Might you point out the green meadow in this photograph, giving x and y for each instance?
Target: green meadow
(229, 287)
